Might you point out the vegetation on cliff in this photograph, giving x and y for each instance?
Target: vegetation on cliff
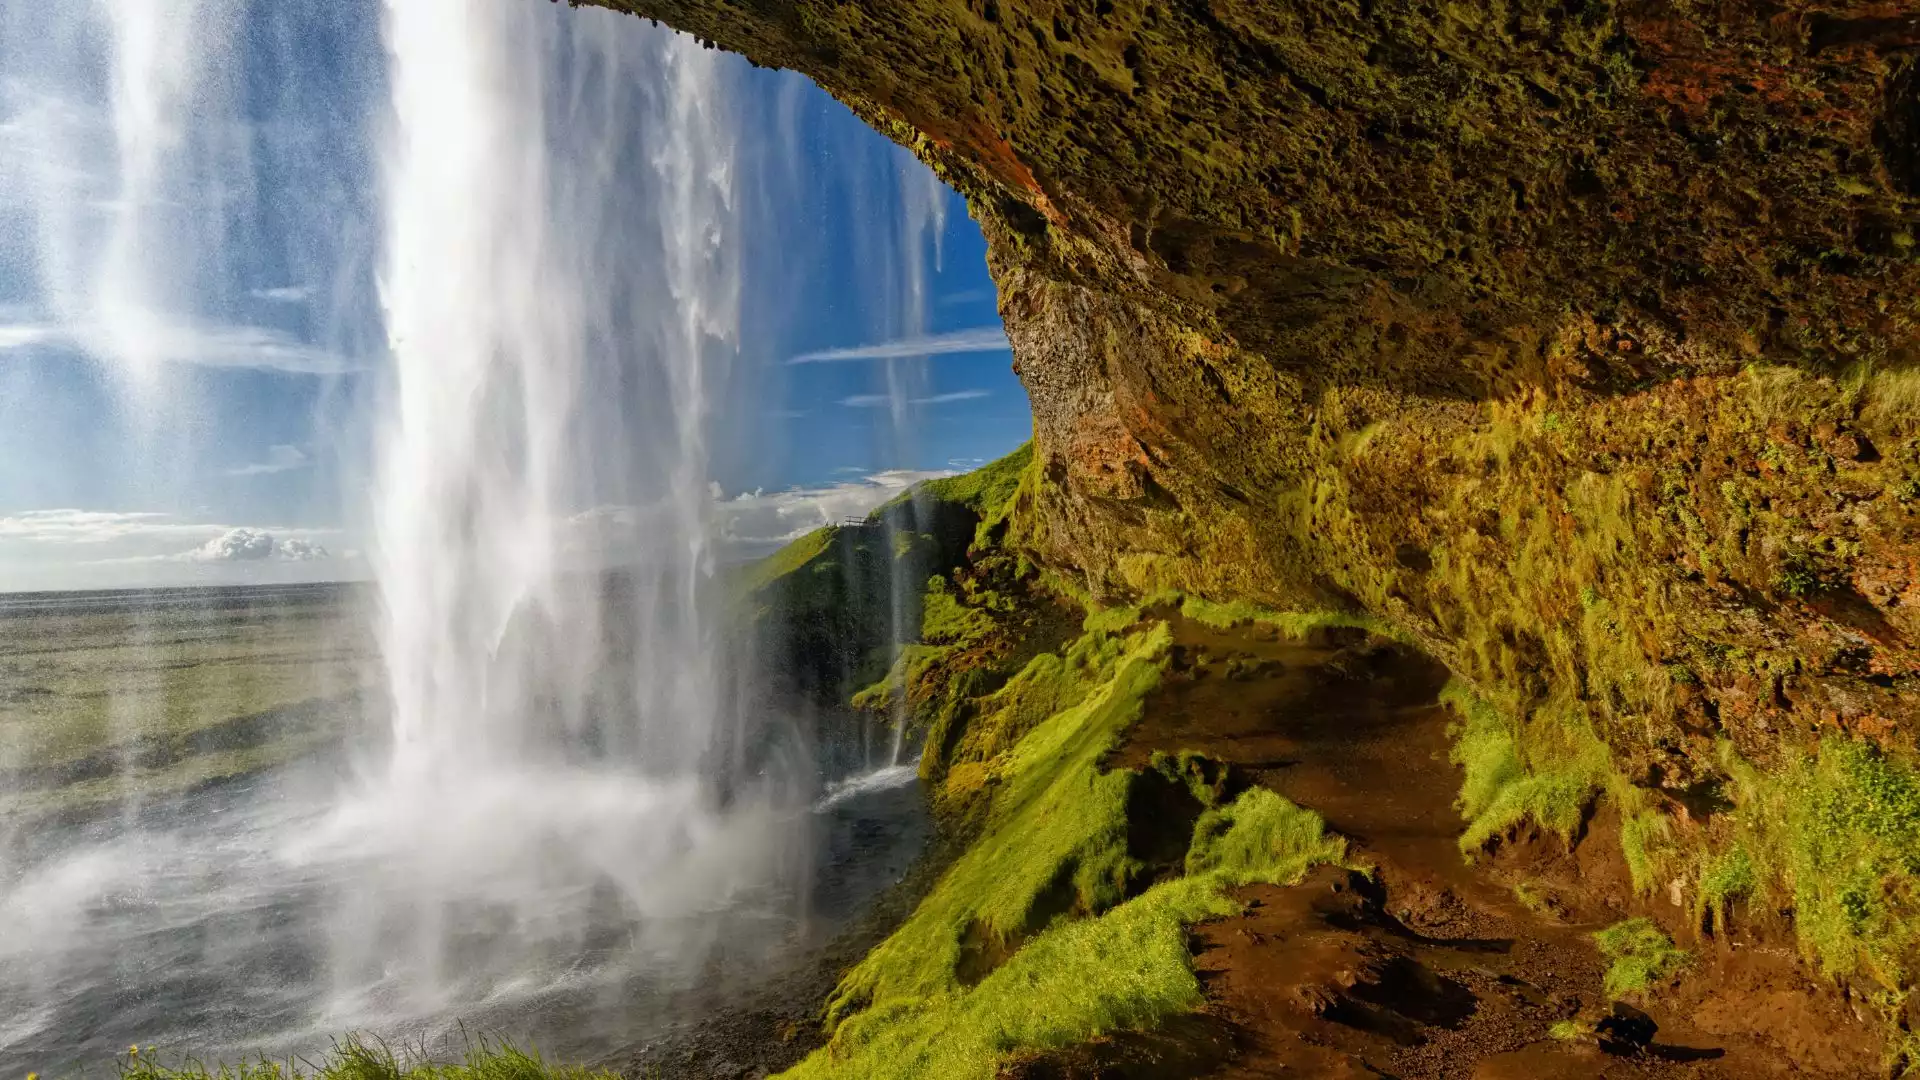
(1050, 930)
(1575, 342)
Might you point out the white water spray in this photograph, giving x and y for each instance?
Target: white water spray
(561, 289)
(568, 800)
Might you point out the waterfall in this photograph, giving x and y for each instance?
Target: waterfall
(520, 290)
(921, 225)
(561, 288)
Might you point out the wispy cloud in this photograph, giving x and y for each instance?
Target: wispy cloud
(105, 537)
(881, 401)
(980, 339)
(744, 525)
(280, 458)
(233, 346)
(285, 294)
(957, 395)
(755, 522)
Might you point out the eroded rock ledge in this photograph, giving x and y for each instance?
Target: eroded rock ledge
(1569, 337)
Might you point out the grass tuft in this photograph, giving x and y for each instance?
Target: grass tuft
(1295, 624)
(1548, 770)
(1568, 1030)
(356, 1058)
(1892, 404)
(1260, 837)
(1725, 878)
(1641, 953)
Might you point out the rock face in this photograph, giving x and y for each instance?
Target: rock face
(1576, 339)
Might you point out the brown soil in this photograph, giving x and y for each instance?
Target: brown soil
(1429, 966)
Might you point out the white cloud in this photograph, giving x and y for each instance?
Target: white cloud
(253, 545)
(881, 401)
(234, 346)
(745, 525)
(752, 524)
(280, 458)
(96, 537)
(981, 339)
(957, 395)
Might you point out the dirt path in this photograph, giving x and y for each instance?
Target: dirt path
(1428, 968)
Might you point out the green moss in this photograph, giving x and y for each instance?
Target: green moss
(1127, 969)
(1798, 576)
(1485, 749)
(1288, 623)
(1204, 779)
(796, 554)
(358, 1059)
(1548, 770)
(988, 489)
(988, 492)
(1049, 684)
(1641, 955)
(1568, 1030)
(1892, 402)
(1725, 878)
(1029, 942)
(1111, 620)
(945, 620)
(1056, 836)
(1839, 833)
(1260, 837)
(1641, 834)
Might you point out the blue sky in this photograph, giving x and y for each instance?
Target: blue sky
(191, 342)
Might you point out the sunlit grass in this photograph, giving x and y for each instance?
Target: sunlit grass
(1641, 954)
(1297, 624)
(71, 687)
(1030, 941)
(1836, 835)
(1547, 771)
(362, 1059)
(96, 706)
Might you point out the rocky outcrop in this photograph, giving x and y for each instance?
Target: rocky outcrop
(1576, 341)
